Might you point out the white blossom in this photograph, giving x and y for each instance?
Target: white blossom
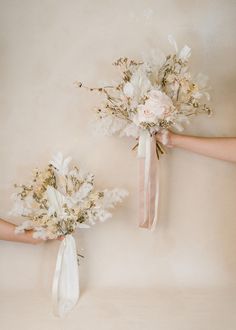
(111, 197)
(185, 53)
(141, 83)
(157, 104)
(173, 42)
(128, 89)
(83, 226)
(55, 200)
(103, 215)
(130, 130)
(82, 193)
(19, 208)
(40, 233)
(60, 164)
(109, 125)
(25, 225)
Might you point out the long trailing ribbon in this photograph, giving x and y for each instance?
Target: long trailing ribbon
(65, 287)
(148, 181)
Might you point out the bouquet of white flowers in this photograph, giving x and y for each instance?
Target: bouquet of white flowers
(151, 97)
(56, 202)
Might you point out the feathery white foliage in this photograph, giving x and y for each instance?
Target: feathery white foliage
(109, 125)
(130, 130)
(173, 42)
(60, 164)
(111, 197)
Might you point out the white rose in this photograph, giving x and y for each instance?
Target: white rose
(157, 106)
(144, 115)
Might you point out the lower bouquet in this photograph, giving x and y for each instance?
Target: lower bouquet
(58, 200)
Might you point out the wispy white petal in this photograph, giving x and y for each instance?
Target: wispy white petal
(173, 42)
(185, 53)
(60, 164)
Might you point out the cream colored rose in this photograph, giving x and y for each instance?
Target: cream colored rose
(157, 106)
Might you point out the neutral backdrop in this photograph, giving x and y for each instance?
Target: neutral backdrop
(44, 47)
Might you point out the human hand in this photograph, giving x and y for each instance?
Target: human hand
(30, 239)
(166, 138)
(7, 233)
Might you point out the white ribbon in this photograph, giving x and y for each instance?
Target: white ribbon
(144, 151)
(149, 208)
(65, 288)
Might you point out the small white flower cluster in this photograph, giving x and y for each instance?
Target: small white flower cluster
(60, 199)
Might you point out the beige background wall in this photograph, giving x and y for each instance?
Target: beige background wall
(44, 47)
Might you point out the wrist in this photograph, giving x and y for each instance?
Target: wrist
(26, 237)
(173, 139)
(30, 239)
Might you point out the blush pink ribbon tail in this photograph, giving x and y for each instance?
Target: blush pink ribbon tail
(148, 181)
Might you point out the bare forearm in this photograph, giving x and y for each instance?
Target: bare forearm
(7, 233)
(220, 148)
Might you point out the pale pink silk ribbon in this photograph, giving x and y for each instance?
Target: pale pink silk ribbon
(148, 181)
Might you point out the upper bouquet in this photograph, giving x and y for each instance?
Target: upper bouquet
(152, 95)
(60, 199)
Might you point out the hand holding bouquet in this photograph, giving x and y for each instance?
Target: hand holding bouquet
(58, 200)
(150, 97)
